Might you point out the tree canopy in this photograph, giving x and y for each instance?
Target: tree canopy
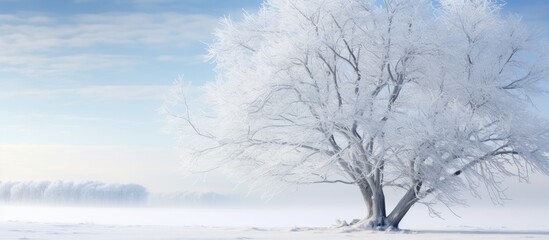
(427, 96)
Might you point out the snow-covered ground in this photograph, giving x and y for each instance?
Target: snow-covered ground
(44, 231)
(75, 223)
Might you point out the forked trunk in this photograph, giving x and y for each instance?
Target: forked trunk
(377, 218)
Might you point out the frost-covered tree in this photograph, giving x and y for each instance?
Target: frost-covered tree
(427, 96)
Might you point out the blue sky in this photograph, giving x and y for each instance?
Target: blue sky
(81, 82)
(94, 72)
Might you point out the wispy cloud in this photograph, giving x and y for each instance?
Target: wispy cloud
(125, 92)
(146, 2)
(43, 65)
(183, 59)
(24, 34)
(63, 45)
(112, 92)
(18, 19)
(61, 119)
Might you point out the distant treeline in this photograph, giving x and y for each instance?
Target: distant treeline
(59, 192)
(99, 193)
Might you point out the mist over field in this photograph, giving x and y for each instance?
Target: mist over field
(95, 207)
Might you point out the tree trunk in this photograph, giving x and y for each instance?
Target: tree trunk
(374, 199)
(379, 213)
(403, 206)
(375, 202)
(367, 197)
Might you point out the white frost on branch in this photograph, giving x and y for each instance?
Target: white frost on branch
(431, 97)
